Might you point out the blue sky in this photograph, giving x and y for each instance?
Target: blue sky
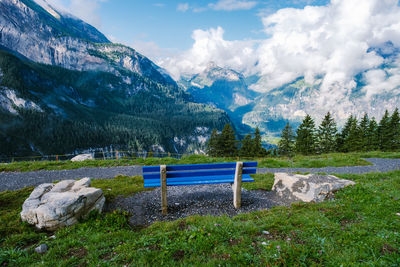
(162, 23)
(169, 24)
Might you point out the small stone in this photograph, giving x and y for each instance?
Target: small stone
(82, 157)
(53, 237)
(398, 214)
(177, 204)
(42, 249)
(265, 232)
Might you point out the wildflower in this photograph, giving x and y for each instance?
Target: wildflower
(264, 243)
(278, 247)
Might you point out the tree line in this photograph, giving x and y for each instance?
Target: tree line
(365, 134)
(225, 144)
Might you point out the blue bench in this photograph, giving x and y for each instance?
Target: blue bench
(197, 174)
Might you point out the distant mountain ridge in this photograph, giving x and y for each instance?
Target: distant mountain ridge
(223, 88)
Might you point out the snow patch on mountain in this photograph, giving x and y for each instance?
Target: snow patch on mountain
(9, 100)
(46, 6)
(241, 100)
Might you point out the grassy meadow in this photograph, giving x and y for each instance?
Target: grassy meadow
(360, 227)
(298, 161)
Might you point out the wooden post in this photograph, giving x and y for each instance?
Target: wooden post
(237, 186)
(56, 157)
(164, 205)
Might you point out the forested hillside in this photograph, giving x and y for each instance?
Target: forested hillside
(48, 109)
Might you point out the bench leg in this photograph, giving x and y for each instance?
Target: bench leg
(237, 186)
(164, 206)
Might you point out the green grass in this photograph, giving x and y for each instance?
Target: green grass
(317, 161)
(298, 161)
(360, 227)
(120, 186)
(262, 182)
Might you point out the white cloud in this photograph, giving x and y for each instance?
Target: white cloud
(183, 7)
(330, 41)
(87, 10)
(229, 5)
(210, 46)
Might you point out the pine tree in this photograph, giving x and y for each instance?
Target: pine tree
(305, 140)
(394, 127)
(259, 151)
(353, 142)
(212, 144)
(247, 147)
(372, 135)
(343, 138)
(286, 144)
(364, 132)
(384, 132)
(326, 135)
(228, 142)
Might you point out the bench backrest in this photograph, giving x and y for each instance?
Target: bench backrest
(195, 173)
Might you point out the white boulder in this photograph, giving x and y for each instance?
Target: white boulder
(82, 157)
(307, 188)
(52, 206)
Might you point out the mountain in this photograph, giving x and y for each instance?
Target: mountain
(65, 87)
(293, 101)
(372, 91)
(223, 88)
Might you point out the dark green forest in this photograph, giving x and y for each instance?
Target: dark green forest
(84, 110)
(364, 134)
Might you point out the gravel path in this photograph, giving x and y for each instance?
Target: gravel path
(18, 180)
(380, 165)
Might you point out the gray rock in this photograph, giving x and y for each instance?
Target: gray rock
(54, 206)
(43, 248)
(307, 188)
(82, 157)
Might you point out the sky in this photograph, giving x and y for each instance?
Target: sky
(164, 27)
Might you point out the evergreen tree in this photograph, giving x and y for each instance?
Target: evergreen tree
(394, 127)
(326, 135)
(228, 143)
(305, 140)
(259, 151)
(247, 147)
(348, 133)
(372, 135)
(286, 144)
(353, 142)
(384, 132)
(364, 132)
(212, 144)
